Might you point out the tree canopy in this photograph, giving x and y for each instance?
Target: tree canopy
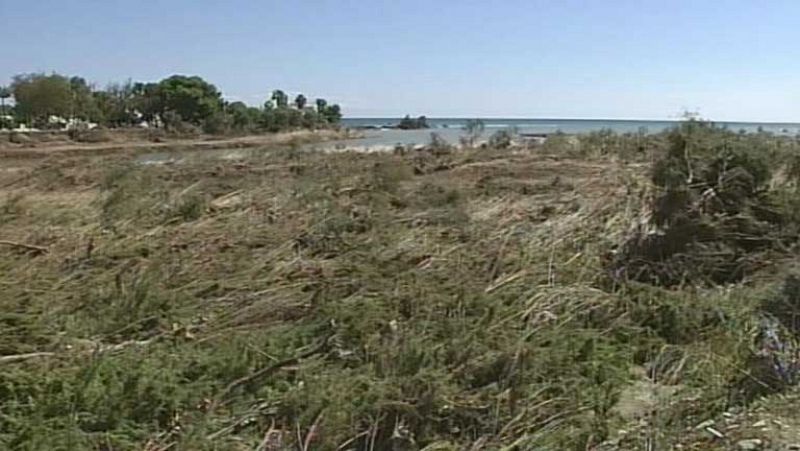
(300, 101)
(40, 95)
(280, 99)
(192, 98)
(171, 101)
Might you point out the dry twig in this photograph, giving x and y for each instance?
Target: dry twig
(30, 247)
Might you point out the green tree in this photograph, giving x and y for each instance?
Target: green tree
(295, 118)
(329, 113)
(280, 98)
(191, 98)
(244, 118)
(82, 101)
(218, 123)
(311, 119)
(300, 101)
(147, 100)
(333, 114)
(116, 104)
(277, 119)
(38, 96)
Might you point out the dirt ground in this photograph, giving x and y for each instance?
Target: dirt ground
(46, 144)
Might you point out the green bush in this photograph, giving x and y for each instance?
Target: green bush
(714, 213)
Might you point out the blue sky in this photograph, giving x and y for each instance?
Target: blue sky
(729, 60)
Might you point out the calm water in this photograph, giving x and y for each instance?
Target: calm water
(452, 129)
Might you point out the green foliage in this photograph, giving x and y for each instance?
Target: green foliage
(279, 119)
(218, 123)
(243, 117)
(117, 104)
(38, 96)
(715, 212)
(280, 99)
(300, 101)
(83, 104)
(322, 105)
(147, 100)
(194, 99)
(332, 114)
(279, 116)
(368, 301)
(183, 104)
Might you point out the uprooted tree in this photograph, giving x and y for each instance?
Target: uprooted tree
(725, 207)
(714, 217)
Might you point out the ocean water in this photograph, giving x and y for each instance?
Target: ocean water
(573, 125)
(452, 129)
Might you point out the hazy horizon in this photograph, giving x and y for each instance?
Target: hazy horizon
(676, 118)
(730, 61)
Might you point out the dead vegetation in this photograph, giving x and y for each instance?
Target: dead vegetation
(432, 299)
(129, 142)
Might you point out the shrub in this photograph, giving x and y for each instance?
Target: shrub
(6, 122)
(713, 214)
(218, 123)
(474, 129)
(438, 145)
(174, 124)
(501, 139)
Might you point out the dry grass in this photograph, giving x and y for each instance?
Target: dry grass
(301, 300)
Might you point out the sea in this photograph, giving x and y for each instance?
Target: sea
(378, 133)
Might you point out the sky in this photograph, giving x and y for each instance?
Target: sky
(728, 60)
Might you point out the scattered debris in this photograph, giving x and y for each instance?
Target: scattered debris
(750, 444)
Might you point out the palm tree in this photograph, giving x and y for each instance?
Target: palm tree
(280, 98)
(300, 101)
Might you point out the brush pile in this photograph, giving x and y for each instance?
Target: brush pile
(715, 217)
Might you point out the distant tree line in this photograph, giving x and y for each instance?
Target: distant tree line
(176, 101)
